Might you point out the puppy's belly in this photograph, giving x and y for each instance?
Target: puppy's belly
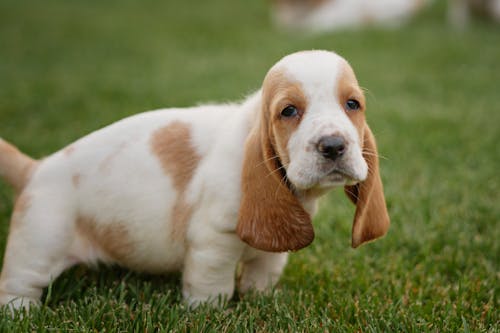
(129, 212)
(137, 245)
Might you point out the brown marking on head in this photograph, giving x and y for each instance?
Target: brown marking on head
(271, 218)
(113, 239)
(179, 159)
(348, 88)
(75, 179)
(278, 92)
(371, 219)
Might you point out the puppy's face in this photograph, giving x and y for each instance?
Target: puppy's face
(316, 114)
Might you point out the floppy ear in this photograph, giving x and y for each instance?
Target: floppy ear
(270, 218)
(371, 219)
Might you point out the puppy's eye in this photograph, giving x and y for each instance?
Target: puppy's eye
(352, 105)
(289, 111)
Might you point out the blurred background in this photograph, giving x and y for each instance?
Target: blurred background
(432, 82)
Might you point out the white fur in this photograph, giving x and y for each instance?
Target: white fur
(121, 182)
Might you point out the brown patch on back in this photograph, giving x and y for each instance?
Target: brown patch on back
(278, 92)
(179, 159)
(113, 239)
(348, 88)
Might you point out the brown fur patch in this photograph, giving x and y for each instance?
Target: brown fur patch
(9, 149)
(179, 159)
(112, 238)
(271, 217)
(278, 93)
(15, 166)
(371, 219)
(348, 88)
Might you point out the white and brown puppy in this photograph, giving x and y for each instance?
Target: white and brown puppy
(200, 189)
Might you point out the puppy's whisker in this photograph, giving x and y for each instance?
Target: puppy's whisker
(373, 153)
(275, 170)
(352, 194)
(369, 93)
(267, 160)
(282, 182)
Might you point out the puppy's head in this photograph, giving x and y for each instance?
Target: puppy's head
(311, 136)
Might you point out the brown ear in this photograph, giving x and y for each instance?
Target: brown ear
(270, 218)
(371, 219)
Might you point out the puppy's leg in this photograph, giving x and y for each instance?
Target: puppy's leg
(209, 269)
(261, 270)
(40, 234)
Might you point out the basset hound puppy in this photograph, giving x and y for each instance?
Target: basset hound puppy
(199, 190)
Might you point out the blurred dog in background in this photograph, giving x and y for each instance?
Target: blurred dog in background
(324, 15)
(460, 11)
(327, 15)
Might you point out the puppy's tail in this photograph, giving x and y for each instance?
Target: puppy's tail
(15, 167)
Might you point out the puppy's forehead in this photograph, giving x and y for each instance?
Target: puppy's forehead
(316, 71)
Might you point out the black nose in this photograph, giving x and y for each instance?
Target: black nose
(331, 147)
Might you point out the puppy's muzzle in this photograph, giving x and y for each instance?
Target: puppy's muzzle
(331, 147)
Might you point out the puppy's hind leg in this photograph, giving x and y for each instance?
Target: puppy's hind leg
(40, 235)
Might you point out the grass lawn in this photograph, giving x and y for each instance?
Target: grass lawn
(70, 67)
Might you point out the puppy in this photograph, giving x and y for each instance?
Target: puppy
(199, 189)
(329, 15)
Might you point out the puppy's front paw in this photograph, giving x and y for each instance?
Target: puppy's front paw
(250, 281)
(193, 301)
(262, 272)
(17, 303)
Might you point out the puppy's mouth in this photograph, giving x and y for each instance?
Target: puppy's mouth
(340, 176)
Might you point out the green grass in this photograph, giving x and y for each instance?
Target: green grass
(70, 67)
